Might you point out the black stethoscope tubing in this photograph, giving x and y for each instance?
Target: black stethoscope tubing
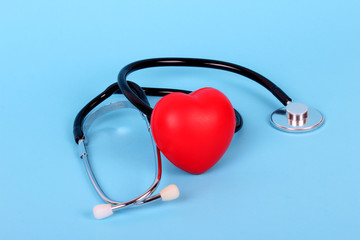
(138, 96)
(190, 62)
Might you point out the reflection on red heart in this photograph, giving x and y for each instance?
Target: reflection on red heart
(193, 131)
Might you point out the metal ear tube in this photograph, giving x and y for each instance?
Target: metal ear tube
(104, 210)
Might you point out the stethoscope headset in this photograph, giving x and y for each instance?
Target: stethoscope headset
(202, 122)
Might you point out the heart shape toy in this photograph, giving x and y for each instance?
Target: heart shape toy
(193, 130)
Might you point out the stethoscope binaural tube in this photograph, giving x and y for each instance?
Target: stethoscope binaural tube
(87, 116)
(191, 62)
(104, 210)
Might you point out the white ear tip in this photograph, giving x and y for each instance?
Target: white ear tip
(170, 192)
(102, 211)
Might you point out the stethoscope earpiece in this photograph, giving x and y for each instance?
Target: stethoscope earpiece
(296, 118)
(101, 211)
(169, 193)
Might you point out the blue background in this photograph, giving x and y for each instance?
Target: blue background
(55, 56)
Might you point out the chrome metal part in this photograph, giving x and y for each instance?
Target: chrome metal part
(297, 114)
(296, 117)
(82, 148)
(150, 199)
(143, 198)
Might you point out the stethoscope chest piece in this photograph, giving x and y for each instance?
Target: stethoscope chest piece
(296, 117)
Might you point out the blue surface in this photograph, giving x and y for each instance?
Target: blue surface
(57, 55)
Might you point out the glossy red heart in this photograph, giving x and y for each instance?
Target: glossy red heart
(193, 130)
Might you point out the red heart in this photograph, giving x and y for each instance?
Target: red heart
(193, 131)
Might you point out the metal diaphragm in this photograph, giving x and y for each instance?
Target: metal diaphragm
(296, 117)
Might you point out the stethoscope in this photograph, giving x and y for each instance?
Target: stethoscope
(293, 117)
